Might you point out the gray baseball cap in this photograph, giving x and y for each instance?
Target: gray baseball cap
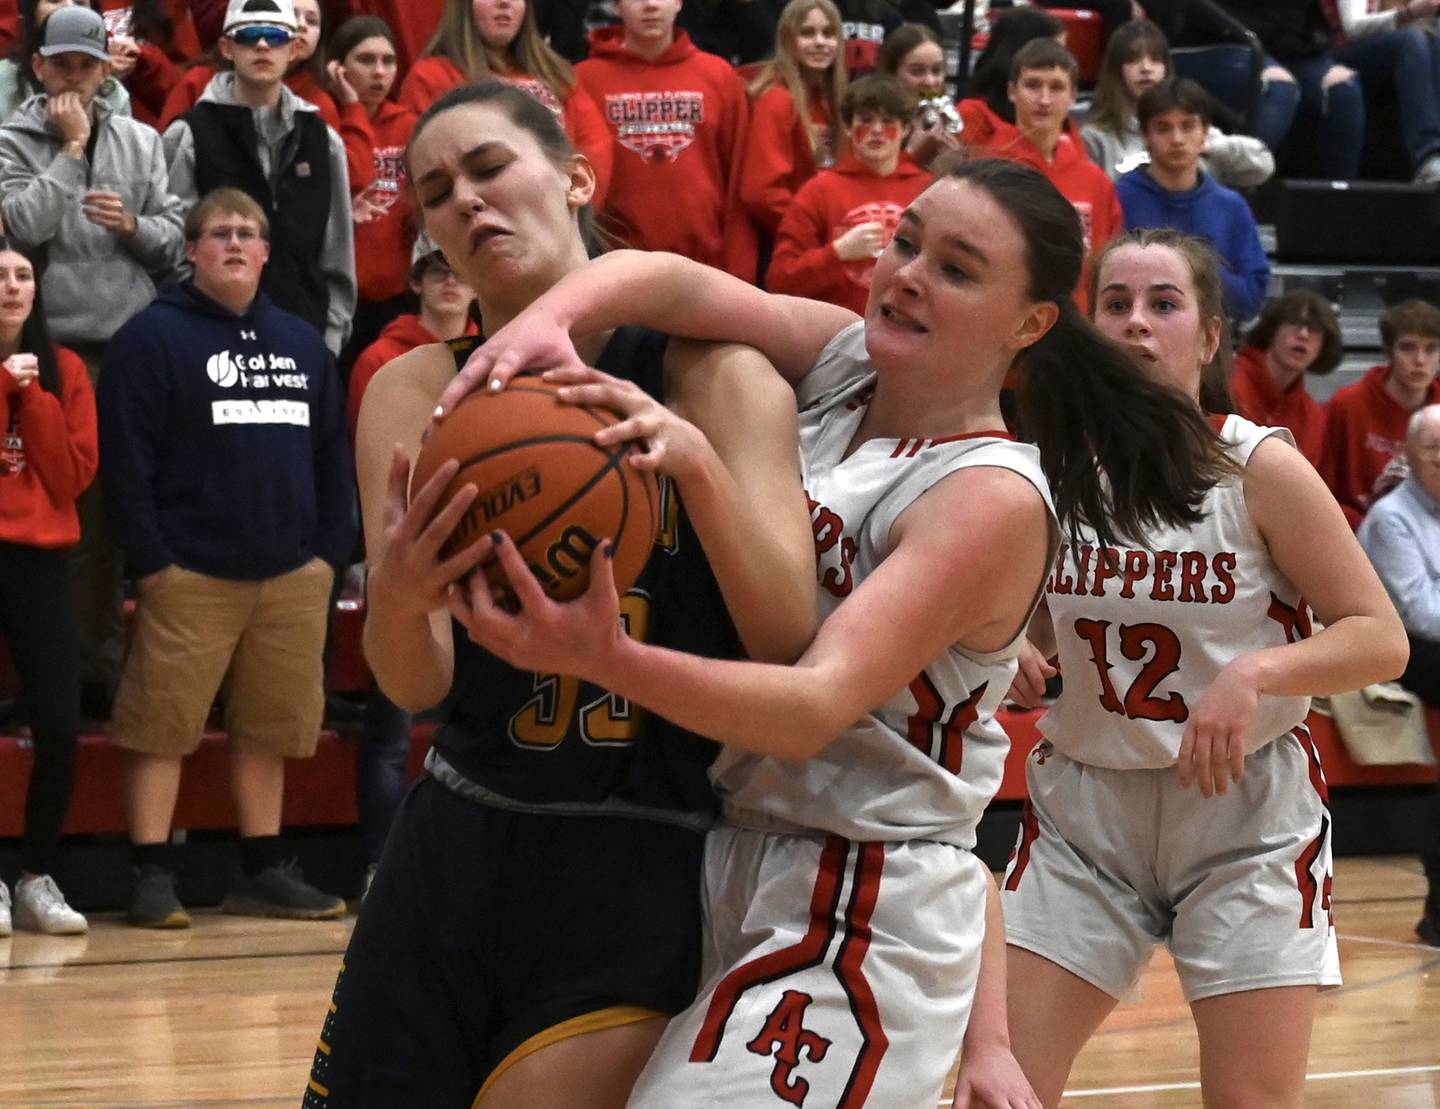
(74, 30)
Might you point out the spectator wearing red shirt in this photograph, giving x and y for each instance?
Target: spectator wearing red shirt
(376, 131)
(305, 77)
(151, 44)
(48, 455)
(1296, 334)
(793, 126)
(413, 21)
(445, 314)
(481, 40)
(843, 219)
(1043, 77)
(1365, 423)
(678, 119)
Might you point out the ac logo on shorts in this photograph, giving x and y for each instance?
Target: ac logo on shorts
(786, 1037)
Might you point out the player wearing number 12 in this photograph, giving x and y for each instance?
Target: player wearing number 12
(1189, 659)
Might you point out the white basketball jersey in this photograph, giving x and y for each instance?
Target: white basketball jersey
(926, 763)
(1143, 633)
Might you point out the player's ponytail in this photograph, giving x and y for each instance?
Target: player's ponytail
(1122, 451)
(1092, 410)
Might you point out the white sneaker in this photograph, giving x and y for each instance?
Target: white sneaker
(4, 909)
(41, 907)
(1429, 171)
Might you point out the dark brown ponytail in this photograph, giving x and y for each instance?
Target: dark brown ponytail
(1122, 451)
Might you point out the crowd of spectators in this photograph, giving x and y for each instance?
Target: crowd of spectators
(209, 200)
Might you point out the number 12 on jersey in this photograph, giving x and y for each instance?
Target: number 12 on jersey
(1135, 642)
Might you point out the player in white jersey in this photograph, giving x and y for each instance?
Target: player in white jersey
(1189, 658)
(845, 913)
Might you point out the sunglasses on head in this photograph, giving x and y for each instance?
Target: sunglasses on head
(255, 34)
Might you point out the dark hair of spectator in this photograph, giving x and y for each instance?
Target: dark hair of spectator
(457, 38)
(1409, 317)
(525, 112)
(878, 92)
(1204, 265)
(353, 32)
(1113, 107)
(149, 21)
(34, 333)
(785, 68)
(1173, 94)
(1008, 33)
(27, 43)
(1122, 451)
(902, 40)
(228, 201)
(1045, 54)
(1301, 306)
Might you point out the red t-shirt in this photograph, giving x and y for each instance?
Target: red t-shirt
(778, 155)
(828, 205)
(48, 455)
(1364, 432)
(677, 125)
(375, 154)
(1261, 401)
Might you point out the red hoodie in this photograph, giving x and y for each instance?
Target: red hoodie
(186, 95)
(375, 154)
(1364, 431)
(778, 156)
(679, 125)
(431, 78)
(401, 335)
(1080, 181)
(47, 457)
(160, 66)
(805, 262)
(1261, 401)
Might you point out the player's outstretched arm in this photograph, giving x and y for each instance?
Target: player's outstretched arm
(664, 292)
(966, 562)
(1363, 640)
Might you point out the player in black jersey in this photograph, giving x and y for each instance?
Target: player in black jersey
(536, 918)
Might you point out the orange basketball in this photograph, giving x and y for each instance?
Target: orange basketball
(546, 483)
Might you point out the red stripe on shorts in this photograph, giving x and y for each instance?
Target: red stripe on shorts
(1305, 875)
(1029, 833)
(864, 893)
(1312, 760)
(809, 952)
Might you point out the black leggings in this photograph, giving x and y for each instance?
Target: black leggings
(38, 624)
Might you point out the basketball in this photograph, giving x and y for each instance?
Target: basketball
(545, 482)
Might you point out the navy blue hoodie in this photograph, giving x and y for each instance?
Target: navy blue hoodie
(1214, 213)
(222, 440)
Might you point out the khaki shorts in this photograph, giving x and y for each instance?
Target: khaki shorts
(263, 639)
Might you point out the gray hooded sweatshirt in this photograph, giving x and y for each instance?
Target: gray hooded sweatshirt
(337, 257)
(94, 279)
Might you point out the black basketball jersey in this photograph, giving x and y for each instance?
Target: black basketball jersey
(530, 739)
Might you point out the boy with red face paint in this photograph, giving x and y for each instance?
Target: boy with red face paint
(842, 219)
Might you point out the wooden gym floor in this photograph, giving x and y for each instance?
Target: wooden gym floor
(227, 1013)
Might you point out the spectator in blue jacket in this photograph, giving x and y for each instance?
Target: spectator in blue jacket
(1173, 191)
(228, 483)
